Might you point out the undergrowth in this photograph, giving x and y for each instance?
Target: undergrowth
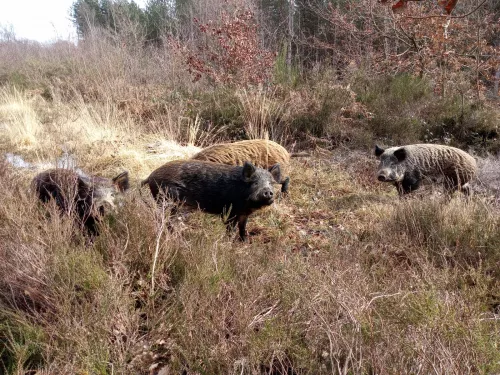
(339, 277)
(336, 277)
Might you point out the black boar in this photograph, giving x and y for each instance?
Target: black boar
(261, 152)
(219, 189)
(407, 166)
(84, 197)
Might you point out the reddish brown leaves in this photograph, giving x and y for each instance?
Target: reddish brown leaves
(447, 5)
(232, 53)
(400, 5)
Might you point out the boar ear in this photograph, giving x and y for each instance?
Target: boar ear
(378, 151)
(275, 171)
(400, 154)
(248, 170)
(121, 181)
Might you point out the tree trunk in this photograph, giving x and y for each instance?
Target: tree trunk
(497, 80)
(290, 36)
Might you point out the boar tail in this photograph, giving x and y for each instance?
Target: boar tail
(143, 182)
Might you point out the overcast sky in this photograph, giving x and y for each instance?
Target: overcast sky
(40, 20)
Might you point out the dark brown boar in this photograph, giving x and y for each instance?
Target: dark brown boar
(86, 198)
(235, 191)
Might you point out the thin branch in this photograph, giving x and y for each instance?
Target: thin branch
(159, 234)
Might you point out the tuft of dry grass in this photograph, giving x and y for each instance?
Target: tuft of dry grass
(20, 124)
(98, 137)
(262, 113)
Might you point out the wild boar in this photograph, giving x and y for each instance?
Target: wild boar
(407, 166)
(235, 191)
(261, 152)
(87, 198)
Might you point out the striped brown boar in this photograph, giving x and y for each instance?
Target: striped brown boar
(407, 166)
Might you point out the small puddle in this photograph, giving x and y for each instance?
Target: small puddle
(66, 161)
(16, 161)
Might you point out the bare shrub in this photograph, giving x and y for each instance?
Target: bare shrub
(233, 54)
(327, 110)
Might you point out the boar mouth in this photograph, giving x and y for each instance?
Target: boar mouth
(382, 178)
(392, 177)
(268, 201)
(262, 202)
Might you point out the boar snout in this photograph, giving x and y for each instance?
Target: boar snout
(385, 175)
(267, 195)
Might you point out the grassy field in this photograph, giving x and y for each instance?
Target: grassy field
(340, 277)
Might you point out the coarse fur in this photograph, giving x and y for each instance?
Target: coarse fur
(235, 191)
(87, 198)
(261, 152)
(407, 166)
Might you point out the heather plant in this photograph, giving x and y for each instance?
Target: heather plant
(406, 111)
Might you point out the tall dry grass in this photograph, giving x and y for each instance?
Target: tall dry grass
(98, 136)
(263, 113)
(21, 126)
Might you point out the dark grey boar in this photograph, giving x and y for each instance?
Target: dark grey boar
(235, 191)
(407, 166)
(87, 198)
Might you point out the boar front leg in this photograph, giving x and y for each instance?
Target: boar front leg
(284, 185)
(242, 225)
(410, 182)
